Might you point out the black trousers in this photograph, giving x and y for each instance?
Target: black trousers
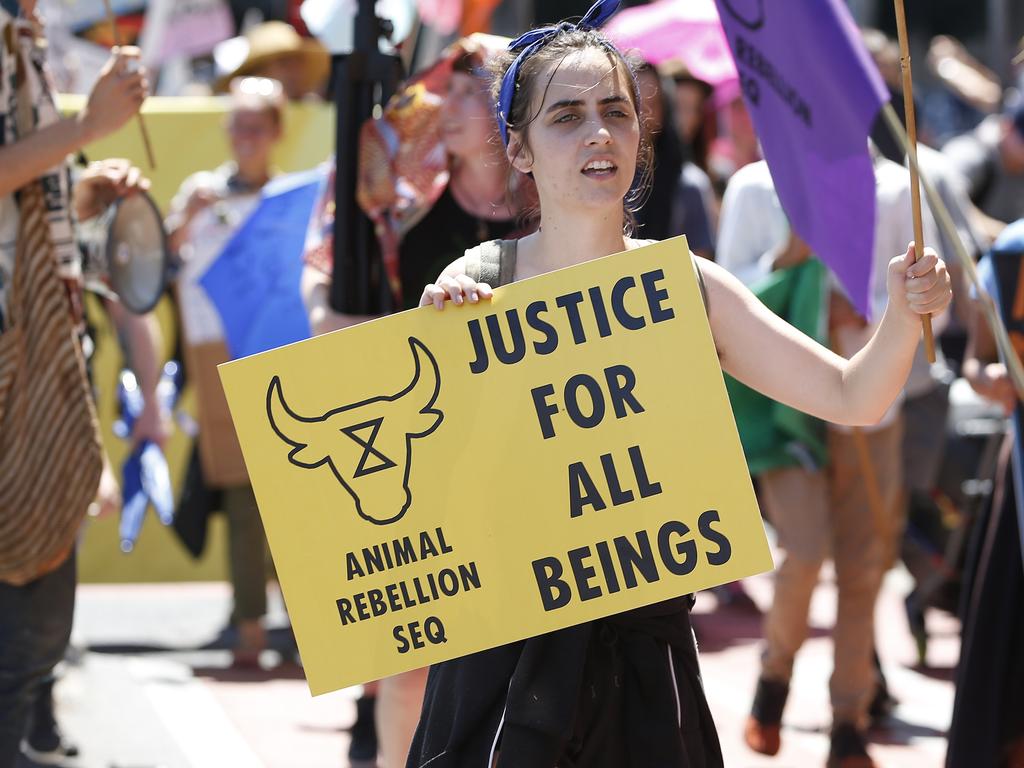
(35, 627)
(988, 711)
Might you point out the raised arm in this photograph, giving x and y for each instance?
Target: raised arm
(116, 96)
(769, 355)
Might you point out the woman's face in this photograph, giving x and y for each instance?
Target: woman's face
(468, 125)
(582, 145)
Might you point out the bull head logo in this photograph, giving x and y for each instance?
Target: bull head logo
(367, 444)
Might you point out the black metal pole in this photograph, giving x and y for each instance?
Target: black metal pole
(362, 79)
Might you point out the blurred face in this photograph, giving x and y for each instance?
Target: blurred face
(468, 126)
(253, 134)
(689, 109)
(582, 146)
(652, 110)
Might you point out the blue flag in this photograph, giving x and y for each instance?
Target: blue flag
(254, 282)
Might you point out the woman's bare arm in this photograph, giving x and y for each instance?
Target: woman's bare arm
(769, 355)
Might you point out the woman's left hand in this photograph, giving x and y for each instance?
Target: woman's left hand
(919, 286)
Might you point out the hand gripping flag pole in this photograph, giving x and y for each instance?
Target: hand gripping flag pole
(915, 182)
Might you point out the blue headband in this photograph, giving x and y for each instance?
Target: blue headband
(531, 42)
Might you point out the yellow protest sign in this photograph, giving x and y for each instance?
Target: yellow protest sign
(188, 135)
(438, 483)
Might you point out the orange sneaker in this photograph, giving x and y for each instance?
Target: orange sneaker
(762, 738)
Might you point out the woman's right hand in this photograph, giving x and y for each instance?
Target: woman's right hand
(459, 289)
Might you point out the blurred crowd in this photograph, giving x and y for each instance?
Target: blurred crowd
(921, 487)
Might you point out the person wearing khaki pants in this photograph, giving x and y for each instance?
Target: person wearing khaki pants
(823, 512)
(817, 513)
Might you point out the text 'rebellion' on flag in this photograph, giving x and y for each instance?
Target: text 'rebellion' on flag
(813, 94)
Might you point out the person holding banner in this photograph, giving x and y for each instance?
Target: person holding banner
(206, 212)
(823, 496)
(626, 690)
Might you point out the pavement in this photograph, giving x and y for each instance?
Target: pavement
(149, 684)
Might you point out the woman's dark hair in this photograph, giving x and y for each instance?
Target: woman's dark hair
(468, 63)
(554, 51)
(654, 219)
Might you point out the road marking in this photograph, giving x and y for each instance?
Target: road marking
(192, 716)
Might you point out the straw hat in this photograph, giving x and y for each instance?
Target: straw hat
(276, 39)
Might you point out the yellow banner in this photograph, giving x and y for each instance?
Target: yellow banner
(438, 483)
(188, 135)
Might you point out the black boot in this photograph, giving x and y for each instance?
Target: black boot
(362, 750)
(763, 731)
(44, 743)
(848, 749)
(883, 702)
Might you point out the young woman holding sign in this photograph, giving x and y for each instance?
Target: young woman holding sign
(626, 690)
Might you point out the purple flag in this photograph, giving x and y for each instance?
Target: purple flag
(813, 94)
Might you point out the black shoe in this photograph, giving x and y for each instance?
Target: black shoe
(916, 623)
(47, 746)
(882, 705)
(883, 702)
(363, 747)
(848, 749)
(44, 743)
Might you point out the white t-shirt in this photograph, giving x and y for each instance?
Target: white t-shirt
(209, 232)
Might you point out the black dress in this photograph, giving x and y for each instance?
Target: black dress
(620, 692)
(988, 712)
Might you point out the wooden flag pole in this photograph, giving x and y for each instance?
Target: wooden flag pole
(142, 125)
(915, 183)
